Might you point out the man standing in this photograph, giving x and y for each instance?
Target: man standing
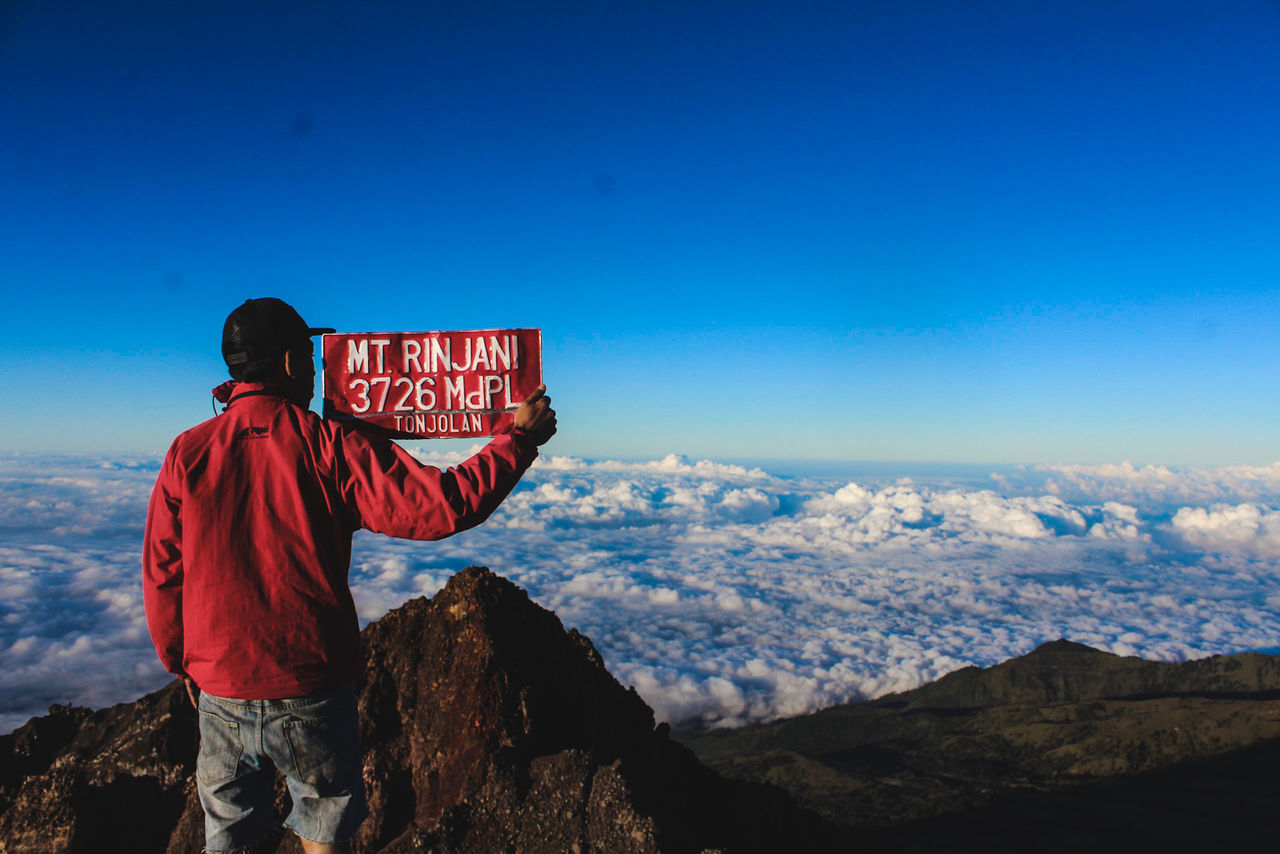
(245, 563)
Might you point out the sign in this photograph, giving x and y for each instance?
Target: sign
(428, 385)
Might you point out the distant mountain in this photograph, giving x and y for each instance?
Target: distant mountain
(486, 727)
(1064, 672)
(1066, 748)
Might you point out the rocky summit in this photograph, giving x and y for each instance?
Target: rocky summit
(486, 727)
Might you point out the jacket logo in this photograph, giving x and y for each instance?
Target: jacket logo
(252, 433)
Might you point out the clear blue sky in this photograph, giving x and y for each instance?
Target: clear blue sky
(927, 230)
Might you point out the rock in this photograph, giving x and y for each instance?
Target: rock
(485, 727)
(75, 777)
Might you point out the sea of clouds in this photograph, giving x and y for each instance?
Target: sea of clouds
(723, 593)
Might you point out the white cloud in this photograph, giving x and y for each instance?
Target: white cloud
(1153, 485)
(723, 593)
(1241, 528)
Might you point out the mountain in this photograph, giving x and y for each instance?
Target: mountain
(1066, 748)
(485, 725)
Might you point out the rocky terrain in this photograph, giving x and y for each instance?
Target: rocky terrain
(486, 727)
(1064, 749)
(489, 728)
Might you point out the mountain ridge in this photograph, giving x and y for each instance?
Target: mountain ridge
(485, 727)
(1065, 671)
(1059, 738)
(489, 727)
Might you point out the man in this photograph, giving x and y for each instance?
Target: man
(245, 563)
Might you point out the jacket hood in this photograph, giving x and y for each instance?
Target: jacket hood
(224, 392)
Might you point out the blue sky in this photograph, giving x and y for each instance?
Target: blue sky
(921, 231)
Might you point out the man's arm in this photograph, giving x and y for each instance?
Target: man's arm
(392, 493)
(162, 570)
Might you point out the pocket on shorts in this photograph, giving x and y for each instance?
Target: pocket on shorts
(324, 750)
(219, 748)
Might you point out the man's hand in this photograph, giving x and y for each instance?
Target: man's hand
(536, 416)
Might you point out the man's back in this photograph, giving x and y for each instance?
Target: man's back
(249, 539)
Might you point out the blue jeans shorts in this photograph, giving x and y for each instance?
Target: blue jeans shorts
(313, 740)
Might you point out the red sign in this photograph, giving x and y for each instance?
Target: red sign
(426, 385)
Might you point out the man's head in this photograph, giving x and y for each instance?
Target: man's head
(265, 340)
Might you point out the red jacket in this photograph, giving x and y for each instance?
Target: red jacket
(248, 540)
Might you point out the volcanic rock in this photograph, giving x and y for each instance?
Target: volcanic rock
(486, 727)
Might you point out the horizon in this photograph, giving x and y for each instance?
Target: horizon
(870, 470)
(724, 593)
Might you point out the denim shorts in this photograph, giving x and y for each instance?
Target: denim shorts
(314, 741)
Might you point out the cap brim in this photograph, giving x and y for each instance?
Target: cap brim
(323, 331)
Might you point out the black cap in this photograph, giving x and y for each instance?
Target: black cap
(262, 329)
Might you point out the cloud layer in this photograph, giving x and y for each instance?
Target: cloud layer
(723, 593)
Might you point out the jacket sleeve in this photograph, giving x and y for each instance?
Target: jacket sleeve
(390, 492)
(162, 569)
